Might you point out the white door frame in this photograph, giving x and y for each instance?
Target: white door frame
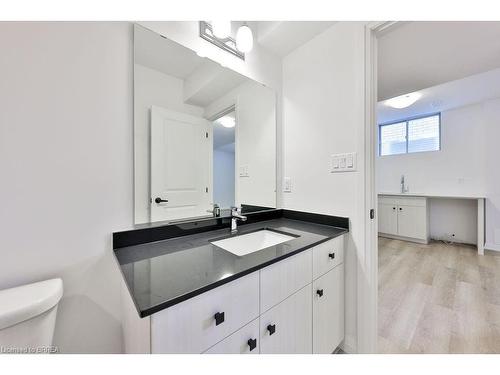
(368, 269)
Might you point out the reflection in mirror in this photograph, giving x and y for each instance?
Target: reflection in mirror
(205, 136)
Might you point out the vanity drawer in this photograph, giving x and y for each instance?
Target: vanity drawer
(327, 255)
(191, 326)
(246, 340)
(282, 279)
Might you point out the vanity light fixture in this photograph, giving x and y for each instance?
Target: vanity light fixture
(244, 39)
(403, 101)
(228, 44)
(221, 29)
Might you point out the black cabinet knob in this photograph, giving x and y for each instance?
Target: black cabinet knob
(252, 343)
(394, 208)
(331, 255)
(400, 209)
(319, 292)
(219, 318)
(159, 200)
(271, 328)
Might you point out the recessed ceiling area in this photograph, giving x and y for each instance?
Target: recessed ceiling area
(418, 55)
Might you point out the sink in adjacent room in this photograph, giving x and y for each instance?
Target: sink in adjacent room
(252, 242)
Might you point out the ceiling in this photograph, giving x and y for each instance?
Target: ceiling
(417, 55)
(470, 90)
(282, 37)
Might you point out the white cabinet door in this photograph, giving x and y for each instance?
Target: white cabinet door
(280, 280)
(328, 311)
(181, 165)
(246, 340)
(192, 326)
(327, 255)
(387, 218)
(287, 327)
(412, 221)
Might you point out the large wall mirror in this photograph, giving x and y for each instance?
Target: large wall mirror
(205, 136)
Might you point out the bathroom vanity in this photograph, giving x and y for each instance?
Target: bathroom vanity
(188, 295)
(211, 266)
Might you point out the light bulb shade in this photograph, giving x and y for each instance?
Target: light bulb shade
(221, 29)
(244, 39)
(403, 101)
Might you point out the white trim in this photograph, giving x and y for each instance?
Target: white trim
(367, 333)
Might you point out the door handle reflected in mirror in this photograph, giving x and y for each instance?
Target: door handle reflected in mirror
(319, 292)
(159, 200)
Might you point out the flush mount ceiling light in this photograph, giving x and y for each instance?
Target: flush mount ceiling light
(221, 29)
(403, 101)
(244, 39)
(227, 122)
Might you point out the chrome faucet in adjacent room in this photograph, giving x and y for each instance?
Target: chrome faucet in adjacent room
(235, 216)
(404, 189)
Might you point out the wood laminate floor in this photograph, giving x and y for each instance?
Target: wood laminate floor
(437, 298)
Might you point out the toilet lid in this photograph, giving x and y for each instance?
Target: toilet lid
(27, 301)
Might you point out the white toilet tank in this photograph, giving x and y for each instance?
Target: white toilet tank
(28, 317)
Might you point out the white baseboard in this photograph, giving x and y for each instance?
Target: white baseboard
(491, 246)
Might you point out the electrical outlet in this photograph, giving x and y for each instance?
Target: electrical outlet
(287, 186)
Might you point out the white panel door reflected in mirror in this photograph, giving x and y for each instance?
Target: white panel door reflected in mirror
(204, 135)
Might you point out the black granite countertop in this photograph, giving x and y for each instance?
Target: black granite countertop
(164, 273)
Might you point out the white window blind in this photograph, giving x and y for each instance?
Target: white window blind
(408, 136)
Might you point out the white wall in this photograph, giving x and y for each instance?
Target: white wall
(66, 163)
(465, 165)
(152, 87)
(323, 114)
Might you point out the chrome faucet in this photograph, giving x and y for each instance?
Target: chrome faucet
(404, 189)
(235, 216)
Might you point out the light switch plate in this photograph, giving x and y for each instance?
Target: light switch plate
(287, 185)
(343, 162)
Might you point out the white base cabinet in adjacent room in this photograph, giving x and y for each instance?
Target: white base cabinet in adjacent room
(274, 310)
(404, 218)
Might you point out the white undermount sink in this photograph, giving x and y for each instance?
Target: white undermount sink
(252, 242)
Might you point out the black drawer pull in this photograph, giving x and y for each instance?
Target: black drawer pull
(219, 318)
(252, 343)
(331, 255)
(271, 328)
(319, 292)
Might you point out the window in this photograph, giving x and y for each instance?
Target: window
(411, 135)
